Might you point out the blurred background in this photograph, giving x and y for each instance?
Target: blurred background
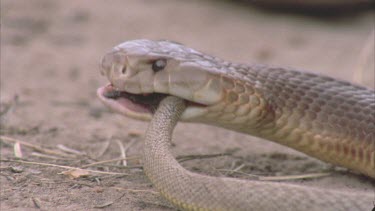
(50, 53)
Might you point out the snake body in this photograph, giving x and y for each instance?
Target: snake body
(323, 117)
(193, 191)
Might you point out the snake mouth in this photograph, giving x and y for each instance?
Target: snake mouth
(140, 106)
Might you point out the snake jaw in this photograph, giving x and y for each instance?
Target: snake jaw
(142, 106)
(123, 105)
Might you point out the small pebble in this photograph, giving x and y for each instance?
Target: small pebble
(16, 169)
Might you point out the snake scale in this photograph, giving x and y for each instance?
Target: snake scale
(323, 117)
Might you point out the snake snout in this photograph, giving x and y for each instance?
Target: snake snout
(113, 64)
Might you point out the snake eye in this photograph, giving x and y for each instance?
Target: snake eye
(159, 64)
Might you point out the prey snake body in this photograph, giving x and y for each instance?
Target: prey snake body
(326, 118)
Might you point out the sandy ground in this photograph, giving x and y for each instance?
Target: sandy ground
(50, 51)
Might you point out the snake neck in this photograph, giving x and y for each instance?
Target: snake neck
(328, 119)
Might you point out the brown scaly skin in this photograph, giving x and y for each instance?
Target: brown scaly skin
(190, 191)
(323, 117)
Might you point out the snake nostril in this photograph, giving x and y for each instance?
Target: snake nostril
(123, 70)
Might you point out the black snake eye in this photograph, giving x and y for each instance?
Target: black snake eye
(159, 64)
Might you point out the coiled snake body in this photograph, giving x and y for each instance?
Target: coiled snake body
(323, 117)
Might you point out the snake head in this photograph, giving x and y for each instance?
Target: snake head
(142, 72)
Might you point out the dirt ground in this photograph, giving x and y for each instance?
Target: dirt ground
(50, 53)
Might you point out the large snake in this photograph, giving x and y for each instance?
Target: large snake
(328, 119)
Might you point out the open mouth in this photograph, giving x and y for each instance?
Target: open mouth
(150, 101)
(136, 104)
(140, 103)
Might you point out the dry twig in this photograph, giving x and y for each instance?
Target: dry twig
(70, 150)
(17, 150)
(109, 203)
(184, 158)
(37, 154)
(104, 149)
(109, 161)
(294, 177)
(280, 178)
(35, 147)
(123, 153)
(64, 167)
